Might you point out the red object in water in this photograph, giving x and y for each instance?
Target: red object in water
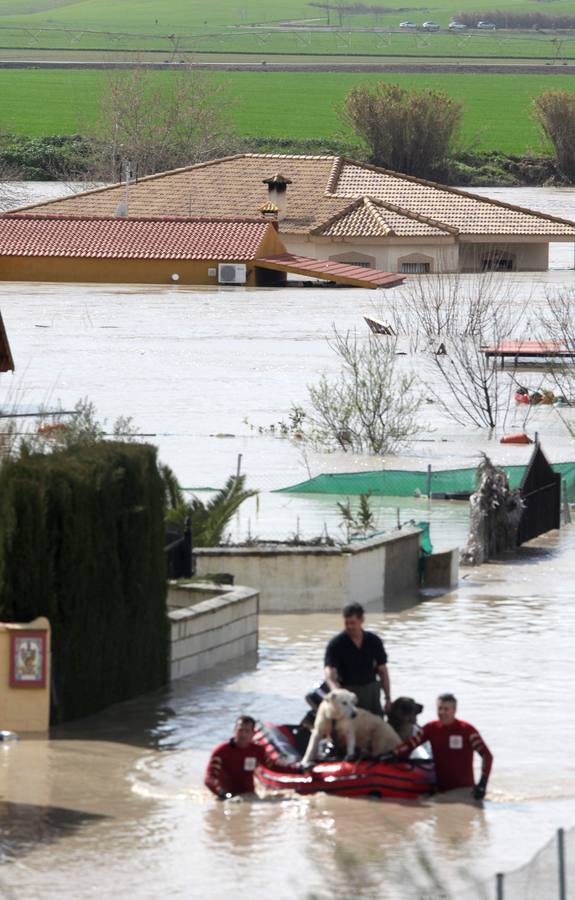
(402, 780)
(521, 398)
(516, 439)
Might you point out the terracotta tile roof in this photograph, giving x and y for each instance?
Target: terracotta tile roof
(121, 238)
(370, 218)
(466, 213)
(329, 269)
(321, 188)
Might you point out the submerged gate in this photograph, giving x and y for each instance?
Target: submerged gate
(541, 494)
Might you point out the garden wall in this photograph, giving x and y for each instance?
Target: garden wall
(210, 626)
(313, 579)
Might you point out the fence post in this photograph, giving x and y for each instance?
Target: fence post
(429, 482)
(561, 862)
(499, 886)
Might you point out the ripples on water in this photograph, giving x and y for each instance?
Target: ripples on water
(114, 804)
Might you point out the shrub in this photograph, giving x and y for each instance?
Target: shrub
(81, 542)
(555, 113)
(407, 131)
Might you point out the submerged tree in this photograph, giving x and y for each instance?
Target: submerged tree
(371, 407)
(358, 522)
(555, 113)
(407, 131)
(451, 320)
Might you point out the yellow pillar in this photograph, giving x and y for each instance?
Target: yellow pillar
(25, 676)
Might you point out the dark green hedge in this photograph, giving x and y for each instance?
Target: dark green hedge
(81, 542)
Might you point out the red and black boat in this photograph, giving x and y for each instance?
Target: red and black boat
(406, 779)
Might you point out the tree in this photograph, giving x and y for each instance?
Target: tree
(359, 522)
(160, 121)
(370, 407)
(208, 520)
(407, 131)
(450, 320)
(555, 113)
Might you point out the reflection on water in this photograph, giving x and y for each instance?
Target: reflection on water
(25, 825)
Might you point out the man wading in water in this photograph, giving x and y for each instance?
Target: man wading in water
(354, 658)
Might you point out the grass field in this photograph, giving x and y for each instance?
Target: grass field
(253, 25)
(492, 45)
(288, 105)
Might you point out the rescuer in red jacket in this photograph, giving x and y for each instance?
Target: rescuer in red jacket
(231, 766)
(453, 742)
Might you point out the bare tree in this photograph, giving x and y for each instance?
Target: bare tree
(370, 407)
(450, 320)
(557, 325)
(407, 131)
(555, 113)
(160, 121)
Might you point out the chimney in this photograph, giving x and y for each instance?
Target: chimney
(277, 186)
(269, 212)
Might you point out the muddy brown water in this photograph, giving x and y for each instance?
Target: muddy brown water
(113, 805)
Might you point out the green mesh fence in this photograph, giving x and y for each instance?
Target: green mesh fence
(405, 483)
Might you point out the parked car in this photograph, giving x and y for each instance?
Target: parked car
(488, 26)
(431, 26)
(408, 26)
(456, 26)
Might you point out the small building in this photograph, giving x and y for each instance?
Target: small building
(162, 250)
(6, 360)
(342, 210)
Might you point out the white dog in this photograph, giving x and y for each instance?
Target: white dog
(338, 716)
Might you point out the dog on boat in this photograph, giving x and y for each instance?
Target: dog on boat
(340, 718)
(403, 716)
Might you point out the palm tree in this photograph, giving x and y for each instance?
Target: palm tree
(209, 519)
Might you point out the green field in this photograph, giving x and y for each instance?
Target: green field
(286, 105)
(236, 26)
(490, 45)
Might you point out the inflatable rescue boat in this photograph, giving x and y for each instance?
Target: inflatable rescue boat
(402, 780)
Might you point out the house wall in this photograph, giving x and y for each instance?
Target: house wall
(208, 632)
(313, 579)
(380, 255)
(529, 257)
(131, 271)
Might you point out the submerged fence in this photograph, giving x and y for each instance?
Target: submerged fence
(549, 875)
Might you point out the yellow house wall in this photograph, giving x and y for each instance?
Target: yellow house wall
(130, 271)
(23, 709)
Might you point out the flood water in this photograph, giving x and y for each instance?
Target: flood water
(113, 805)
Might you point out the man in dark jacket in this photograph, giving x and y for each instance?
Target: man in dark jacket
(356, 660)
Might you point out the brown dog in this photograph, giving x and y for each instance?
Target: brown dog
(403, 716)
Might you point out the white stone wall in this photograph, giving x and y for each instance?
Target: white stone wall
(454, 257)
(445, 257)
(314, 579)
(532, 257)
(210, 632)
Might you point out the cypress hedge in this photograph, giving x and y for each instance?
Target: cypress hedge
(81, 542)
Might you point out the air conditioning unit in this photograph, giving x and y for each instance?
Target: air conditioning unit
(232, 273)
